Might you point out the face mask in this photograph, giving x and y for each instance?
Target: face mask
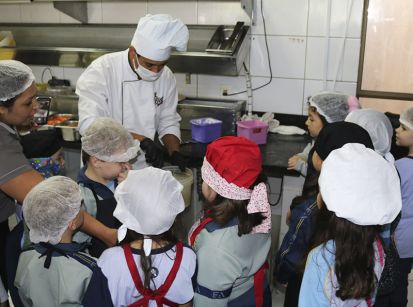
(148, 75)
(46, 166)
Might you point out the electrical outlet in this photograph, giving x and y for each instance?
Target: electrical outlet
(224, 90)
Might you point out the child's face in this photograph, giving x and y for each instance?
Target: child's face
(404, 136)
(111, 170)
(314, 122)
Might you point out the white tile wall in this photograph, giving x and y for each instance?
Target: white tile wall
(282, 17)
(287, 54)
(187, 84)
(38, 72)
(225, 12)
(316, 53)
(39, 13)
(10, 13)
(123, 12)
(280, 96)
(295, 30)
(185, 10)
(318, 16)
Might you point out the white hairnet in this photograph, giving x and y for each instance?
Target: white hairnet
(148, 201)
(15, 78)
(379, 128)
(357, 184)
(49, 207)
(406, 118)
(157, 34)
(333, 106)
(109, 141)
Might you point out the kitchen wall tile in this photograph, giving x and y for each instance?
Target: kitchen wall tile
(280, 96)
(72, 74)
(123, 12)
(63, 18)
(316, 55)
(184, 88)
(318, 16)
(94, 12)
(212, 86)
(10, 13)
(39, 70)
(39, 13)
(351, 60)
(282, 17)
(314, 86)
(287, 54)
(225, 12)
(185, 10)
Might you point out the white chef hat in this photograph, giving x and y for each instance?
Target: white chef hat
(359, 185)
(157, 34)
(148, 201)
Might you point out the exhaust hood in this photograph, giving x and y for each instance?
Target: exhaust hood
(212, 49)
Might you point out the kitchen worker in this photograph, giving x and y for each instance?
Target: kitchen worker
(137, 89)
(17, 108)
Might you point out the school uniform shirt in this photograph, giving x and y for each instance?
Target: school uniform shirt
(404, 230)
(13, 163)
(63, 283)
(227, 264)
(115, 281)
(320, 282)
(89, 201)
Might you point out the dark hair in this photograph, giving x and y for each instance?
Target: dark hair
(354, 253)
(222, 210)
(146, 262)
(85, 157)
(9, 102)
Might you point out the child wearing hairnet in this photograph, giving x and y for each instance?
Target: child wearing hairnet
(151, 267)
(323, 108)
(53, 271)
(107, 149)
(404, 231)
(359, 192)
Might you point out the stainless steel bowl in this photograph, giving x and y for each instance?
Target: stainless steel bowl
(69, 130)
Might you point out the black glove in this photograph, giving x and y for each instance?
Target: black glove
(153, 152)
(178, 159)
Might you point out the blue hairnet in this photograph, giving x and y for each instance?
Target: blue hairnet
(15, 78)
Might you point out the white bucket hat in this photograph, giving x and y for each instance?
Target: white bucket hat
(148, 202)
(359, 185)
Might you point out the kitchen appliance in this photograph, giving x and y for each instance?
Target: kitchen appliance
(227, 111)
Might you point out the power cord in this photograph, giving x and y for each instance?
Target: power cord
(268, 57)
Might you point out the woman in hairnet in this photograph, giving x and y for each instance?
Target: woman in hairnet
(137, 89)
(17, 108)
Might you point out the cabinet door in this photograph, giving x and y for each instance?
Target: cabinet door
(386, 62)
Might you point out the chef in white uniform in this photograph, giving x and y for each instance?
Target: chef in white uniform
(136, 88)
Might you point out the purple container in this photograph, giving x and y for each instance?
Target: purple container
(254, 130)
(206, 129)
